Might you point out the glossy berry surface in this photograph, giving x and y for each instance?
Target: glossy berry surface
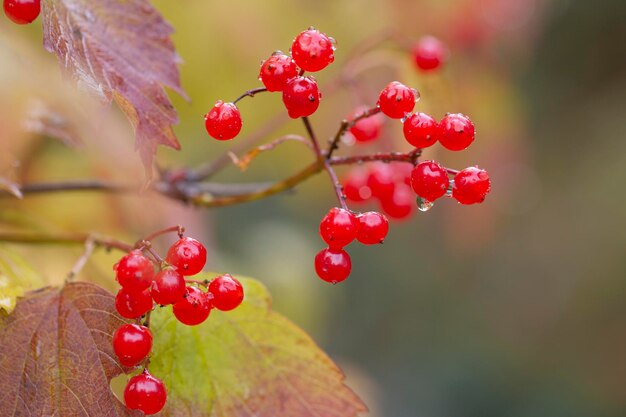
(430, 53)
(194, 308)
(223, 122)
(429, 180)
(339, 227)
(401, 204)
(22, 12)
(396, 100)
(187, 255)
(227, 292)
(134, 271)
(456, 132)
(146, 393)
(333, 265)
(373, 228)
(301, 97)
(355, 185)
(366, 129)
(277, 70)
(169, 287)
(132, 344)
(312, 50)
(471, 186)
(420, 130)
(133, 305)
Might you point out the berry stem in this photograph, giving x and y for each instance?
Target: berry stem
(180, 230)
(82, 261)
(250, 93)
(410, 157)
(326, 164)
(343, 128)
(451, 171)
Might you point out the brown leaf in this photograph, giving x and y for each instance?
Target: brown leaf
(122, 50)
(56, 357)
(42, 119)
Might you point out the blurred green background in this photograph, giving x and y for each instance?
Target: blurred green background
(514, 308)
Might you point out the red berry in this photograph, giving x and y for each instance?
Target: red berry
(333, 265)
(146, 393)
(430, 53)
(396, 100)
(169, 287)
(429, 180)
(401, 204)
(132, 305)
(367, 129)
(420, 130)
(277, 70)
(223, 122)
(355, 185)
(456, 132)
(187, 255)
(227, 292)
(312, 50)
(22, 11)
(301, 97)
(381, 180)
(339, 227)
(471, 185)
(134, 271)
(373, 228)
(194, 308)
(132, 343)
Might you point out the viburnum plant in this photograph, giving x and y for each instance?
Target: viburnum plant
(157, 329)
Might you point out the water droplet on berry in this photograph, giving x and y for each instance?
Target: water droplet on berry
(424, 205)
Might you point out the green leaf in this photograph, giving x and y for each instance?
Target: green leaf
(16, 277)
(247, 362)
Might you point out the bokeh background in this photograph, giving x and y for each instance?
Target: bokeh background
(514, 308)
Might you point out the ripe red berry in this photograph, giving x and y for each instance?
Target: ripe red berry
(277, 70)
(132, 343)
(367, 129)
(169, 287)
(134, 271)
(471, 186)
(429, 180)
(430, 53)
(456, 132)
(396, 100)
(22, 11)
(333, 265)
(187, 255)
(132, 305)
(301, 97)
(312, 50)
(401, 204)
(381, 180)
(227, 292)
(339, 227)
(146, 393)
(355, 185)
(420, 130)
(223, 122)
(194, 308)
(373, 228)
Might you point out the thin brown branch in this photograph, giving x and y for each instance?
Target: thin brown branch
(250, 93)
(67, 239)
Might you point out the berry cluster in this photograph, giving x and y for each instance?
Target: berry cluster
(22, 12)
(142, 289)
(311, 51)
(392, 179)
(338, 229)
